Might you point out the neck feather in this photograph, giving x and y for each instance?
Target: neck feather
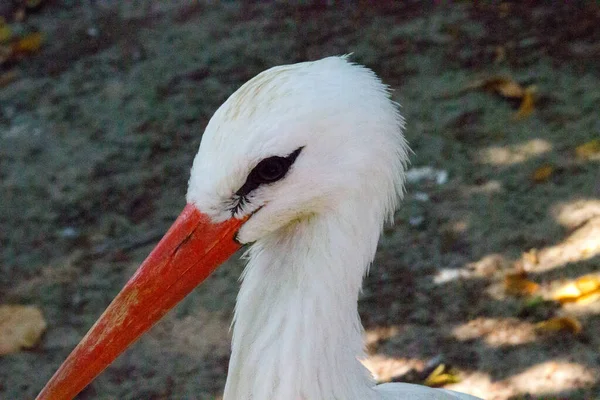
(297, 333)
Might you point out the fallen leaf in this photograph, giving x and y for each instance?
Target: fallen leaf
(527, 103)
(5, 53)
(20, 327)
(499, 54)
(5, 31)
(33, 3)
(588, 283)
(588, 150)
(516, 284)
(559, 324)
(8, 77)
(28, 44)
(509, 89)
(542, 174)
(504, 9)
(531, 257)
(583, 290)
(504, 86)
(19, 14)
(589, 298)
(441, 376)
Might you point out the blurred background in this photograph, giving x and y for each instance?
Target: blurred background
(488, 283)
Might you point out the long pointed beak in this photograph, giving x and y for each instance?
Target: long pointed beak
(190, 251)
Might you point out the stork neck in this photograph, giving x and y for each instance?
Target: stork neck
(297, 333)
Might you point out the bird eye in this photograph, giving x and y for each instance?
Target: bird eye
(270, 170)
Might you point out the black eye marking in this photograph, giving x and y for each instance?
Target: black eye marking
(267, 171)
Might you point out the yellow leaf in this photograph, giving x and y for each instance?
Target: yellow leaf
(29, 43)
(542, 174)
(588, 283)
(584, 289)
(20, 327)
(588, 150)
(559, 324)
(5, 32)
(8, 77)
(518, 285)
(441, 376)
(505, 87)
(567, 293)
(531, 256)
(589, 298)
(527, 103)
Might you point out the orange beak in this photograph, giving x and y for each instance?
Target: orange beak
(190, 251)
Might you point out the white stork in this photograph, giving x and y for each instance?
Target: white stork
(303, 163)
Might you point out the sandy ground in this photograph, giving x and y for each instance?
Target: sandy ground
(98, 134)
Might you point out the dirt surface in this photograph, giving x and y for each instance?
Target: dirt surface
(98, 132)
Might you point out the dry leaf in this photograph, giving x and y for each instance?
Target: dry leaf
(516, 284)
(542, 174)
(559, 324)
(28, 44)
(441, 376)
(5, 53)
(5, 31)
(20, 327)
(588, 150)
(499, 54)
(583, 290)
(527, 103)
(505, 87)
(510, 89)
(589, 298)
(567, 293)
(588, 284)
(531, 257)
(33, 3)
(8, 77)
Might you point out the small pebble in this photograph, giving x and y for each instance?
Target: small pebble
(421, 196)
(69, 233)
(416, 220)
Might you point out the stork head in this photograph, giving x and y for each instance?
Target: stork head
(299, 140)
(294, 141)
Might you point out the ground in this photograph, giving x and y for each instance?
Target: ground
(99, 128)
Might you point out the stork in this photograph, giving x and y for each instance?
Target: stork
(303, 163)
